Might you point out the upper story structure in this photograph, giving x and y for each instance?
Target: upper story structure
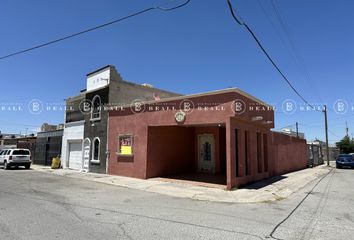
(85, 132)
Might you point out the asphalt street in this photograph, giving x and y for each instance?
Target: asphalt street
(36, 205)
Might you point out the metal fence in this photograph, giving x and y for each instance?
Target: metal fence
(44, 152)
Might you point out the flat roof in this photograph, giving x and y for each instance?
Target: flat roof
(100, 69)
(226, 90)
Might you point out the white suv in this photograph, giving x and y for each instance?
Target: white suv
(15, 157)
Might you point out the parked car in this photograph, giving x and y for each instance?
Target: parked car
(15, 157)
(345, 160)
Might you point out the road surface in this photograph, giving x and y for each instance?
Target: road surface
(36, 205)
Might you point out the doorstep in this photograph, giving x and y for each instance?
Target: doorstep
(281, 189)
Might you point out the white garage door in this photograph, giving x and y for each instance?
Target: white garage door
(75, 155)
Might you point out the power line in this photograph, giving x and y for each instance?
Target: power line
(94, 28)
(242, 23)
(298, 60)
(335, 135)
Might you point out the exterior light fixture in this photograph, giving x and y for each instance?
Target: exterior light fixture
(257, 118)
(180, 116)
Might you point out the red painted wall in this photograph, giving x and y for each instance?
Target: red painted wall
(253, 175)
(171, 150)
(289, 153)
(162, 146)
(134, 166)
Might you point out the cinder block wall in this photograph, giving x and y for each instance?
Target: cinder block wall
(289, 153)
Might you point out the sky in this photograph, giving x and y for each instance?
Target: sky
(193, 49)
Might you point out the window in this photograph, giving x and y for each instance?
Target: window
(21, 152)
(96, 108)
(96, 150)
(207, 151)
(125, 145)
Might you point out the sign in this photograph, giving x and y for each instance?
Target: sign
(125, 145)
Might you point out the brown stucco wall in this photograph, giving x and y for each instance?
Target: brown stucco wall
(253, 175)
(124, 122)
(133, 166)
(289, 153)
(162, 146)
(170, 151)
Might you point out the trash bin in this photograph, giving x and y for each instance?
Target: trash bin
(56, 163)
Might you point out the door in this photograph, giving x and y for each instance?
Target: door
(75, 155)
(206, 153)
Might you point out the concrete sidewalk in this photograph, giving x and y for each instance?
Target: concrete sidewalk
(273, 189)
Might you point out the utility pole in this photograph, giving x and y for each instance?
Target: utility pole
(297, 129)
(326, 129)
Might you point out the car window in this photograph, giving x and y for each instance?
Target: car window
(347, 157)
(21, 152)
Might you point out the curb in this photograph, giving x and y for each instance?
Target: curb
(280, 190)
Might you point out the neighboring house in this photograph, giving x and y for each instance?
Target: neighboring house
(73, 135)
(7, 143)
(9, 135)
(333, 152)
(317, 153)
(48, 145)
(222, 135)
(20, 142)
(292, 133)
(48, 127)
(85, 137)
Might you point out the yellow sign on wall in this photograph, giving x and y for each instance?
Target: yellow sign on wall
(126, 150)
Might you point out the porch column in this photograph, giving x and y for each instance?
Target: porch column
(230, 155)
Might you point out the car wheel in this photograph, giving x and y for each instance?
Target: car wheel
(338, 166)
(6, 166)
(28, 166)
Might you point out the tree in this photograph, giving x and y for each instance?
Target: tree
(346, 145)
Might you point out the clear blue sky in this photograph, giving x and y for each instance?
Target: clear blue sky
(193, 49)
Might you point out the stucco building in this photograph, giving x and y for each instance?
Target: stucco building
(224, 135)
(85, 132)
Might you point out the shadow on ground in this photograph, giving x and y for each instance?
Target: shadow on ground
(263, 183)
